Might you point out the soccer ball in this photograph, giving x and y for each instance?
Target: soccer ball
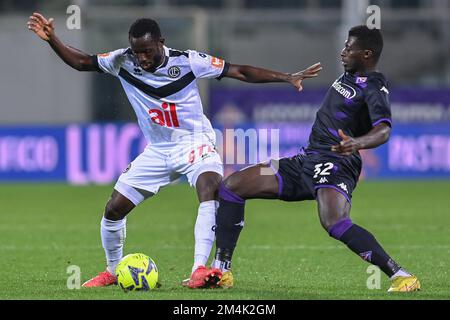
(136, 272)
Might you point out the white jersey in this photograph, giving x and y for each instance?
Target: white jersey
(167, 102)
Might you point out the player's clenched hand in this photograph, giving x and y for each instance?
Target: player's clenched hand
(310, 72)
(42, 27)
(347, 146)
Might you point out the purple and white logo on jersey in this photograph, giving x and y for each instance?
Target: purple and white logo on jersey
(174, 72)
(361, 79)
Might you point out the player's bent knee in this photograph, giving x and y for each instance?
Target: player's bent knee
(229, 183)
(208, 192)
(324, 224)
(339, 228)
(333, 223)
(333, 208)
(233, 183)
(115, 209)
(113, 213)
(327, 224)
(328, 219)
(208, 187)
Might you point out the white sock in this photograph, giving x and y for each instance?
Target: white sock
(113, 237)
(204, 232)
(400, 273)
(224, 266)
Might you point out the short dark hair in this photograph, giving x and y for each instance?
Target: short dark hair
(143, 26)
(368, 39)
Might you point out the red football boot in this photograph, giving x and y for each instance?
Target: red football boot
(204, 277)
(103, 279)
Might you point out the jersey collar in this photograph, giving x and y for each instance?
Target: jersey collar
(166, 58)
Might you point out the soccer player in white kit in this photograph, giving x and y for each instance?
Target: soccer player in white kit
(160, 84)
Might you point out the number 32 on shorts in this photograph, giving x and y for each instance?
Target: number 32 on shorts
(322, 169)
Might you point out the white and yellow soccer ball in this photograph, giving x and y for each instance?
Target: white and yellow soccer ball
(136, 272)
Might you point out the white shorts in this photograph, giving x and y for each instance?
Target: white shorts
(158, 166)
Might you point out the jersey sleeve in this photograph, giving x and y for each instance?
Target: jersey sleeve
(110, 62)
(377, 100)
(206, 66)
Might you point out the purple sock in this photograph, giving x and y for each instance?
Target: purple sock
(364, 244)
(229, 221)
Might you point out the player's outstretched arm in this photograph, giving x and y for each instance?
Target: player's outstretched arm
(259, 75)
(45, 30)
(374, 138)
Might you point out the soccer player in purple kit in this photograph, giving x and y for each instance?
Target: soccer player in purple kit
(354, 115)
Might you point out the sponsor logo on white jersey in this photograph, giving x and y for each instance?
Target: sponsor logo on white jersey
(167, 102)
(166, 117)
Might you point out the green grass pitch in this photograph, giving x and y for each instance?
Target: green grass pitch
(282, 254)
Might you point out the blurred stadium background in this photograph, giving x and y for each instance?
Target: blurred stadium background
(38, 89)
(59, 125)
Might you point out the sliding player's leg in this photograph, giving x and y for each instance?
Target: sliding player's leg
(279, 179)
(334, 213)
(242, 185)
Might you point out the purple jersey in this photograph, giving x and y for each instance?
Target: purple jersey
(354, 104)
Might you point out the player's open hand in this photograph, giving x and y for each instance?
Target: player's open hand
(347, 146)
(42, 27)
(310, 72)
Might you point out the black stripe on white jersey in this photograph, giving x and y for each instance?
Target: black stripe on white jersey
(176, 53)
(161, 92)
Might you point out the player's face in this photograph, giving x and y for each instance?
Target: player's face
(352, 56)
(148, 52)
